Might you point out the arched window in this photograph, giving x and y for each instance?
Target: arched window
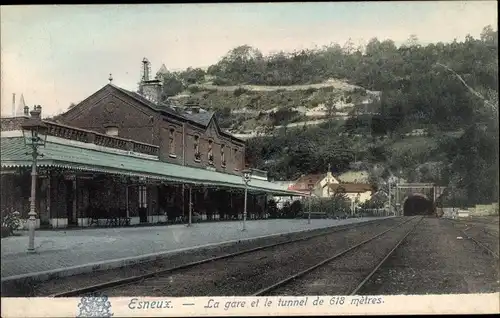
(210, 153)
(172, 142)
(197, 155)
(222, 156)
(236, 159)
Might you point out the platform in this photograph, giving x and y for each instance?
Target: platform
(82, 250)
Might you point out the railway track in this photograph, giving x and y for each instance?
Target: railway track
(138, 279)
(339, 279)
(482, 233)
(480, 244)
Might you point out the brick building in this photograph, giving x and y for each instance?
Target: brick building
(186, 135)
(125, 156)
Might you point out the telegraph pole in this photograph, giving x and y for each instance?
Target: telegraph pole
(397, 198)
(389, 194)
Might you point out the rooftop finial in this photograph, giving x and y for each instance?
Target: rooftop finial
(110, 78)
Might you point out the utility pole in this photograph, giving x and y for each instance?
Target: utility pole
(310, 199)
(389, 194)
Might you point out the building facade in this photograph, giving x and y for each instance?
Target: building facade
(325, 185)
(187, 135)
(120, 157)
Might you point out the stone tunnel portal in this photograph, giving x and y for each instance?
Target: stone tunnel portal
(418, 204)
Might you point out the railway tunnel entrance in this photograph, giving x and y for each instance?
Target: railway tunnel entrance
(417, 198)
(417, 204)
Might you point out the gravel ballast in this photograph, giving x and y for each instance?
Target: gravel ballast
(436, 259)
(484, 232)
(245, 274)
(342, 275)
(64, 284)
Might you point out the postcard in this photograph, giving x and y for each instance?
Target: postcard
(244, 159)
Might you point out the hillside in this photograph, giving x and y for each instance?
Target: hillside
(257, 108)
(428, 113)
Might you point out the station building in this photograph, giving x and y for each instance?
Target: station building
(123, 158)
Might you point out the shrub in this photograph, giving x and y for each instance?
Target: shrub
(11, 222)
(221, 81)
(194, 89)
(272, 208)
(295, 209)
(285, 211)
(5, 231)
(310, 90)
(239, 91)
(337, 205)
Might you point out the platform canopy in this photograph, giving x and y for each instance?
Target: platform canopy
(70, 154)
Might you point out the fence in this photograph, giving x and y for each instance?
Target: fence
(478, 210)
(339, 207)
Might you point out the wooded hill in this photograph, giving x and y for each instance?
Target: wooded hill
(448, 89)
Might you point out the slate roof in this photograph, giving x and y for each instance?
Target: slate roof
(202, 118)
(147, 102)
(302, 183)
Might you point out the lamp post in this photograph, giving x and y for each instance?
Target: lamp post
(35, 135)
(247, 175)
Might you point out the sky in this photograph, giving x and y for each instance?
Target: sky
(56, 55)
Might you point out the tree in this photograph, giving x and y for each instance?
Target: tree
(489, 36)
(171, 85)
(192, 76)
(340, 203)
(348, 47)
(461, 95)
(412, 41)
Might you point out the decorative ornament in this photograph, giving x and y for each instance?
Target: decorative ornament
(95, 306)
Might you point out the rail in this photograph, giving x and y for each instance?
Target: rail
(125, 281)
(369, 276)
(287, 280)
(475, 240)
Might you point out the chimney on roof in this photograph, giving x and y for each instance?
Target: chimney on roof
(145, 69)
(36, 112)
(149, 88)
(192, 106)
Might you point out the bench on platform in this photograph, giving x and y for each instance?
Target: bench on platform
(314, 215)
(109, 218)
